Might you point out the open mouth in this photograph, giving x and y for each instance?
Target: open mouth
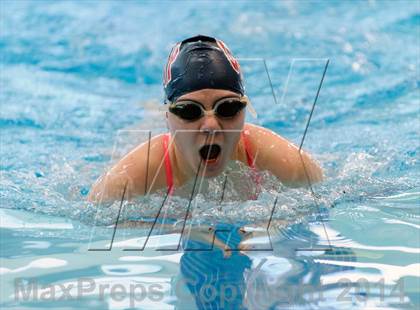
(210, 152)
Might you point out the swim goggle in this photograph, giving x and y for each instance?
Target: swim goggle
(225, 108)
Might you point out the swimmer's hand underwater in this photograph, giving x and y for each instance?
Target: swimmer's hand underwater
(272, 153)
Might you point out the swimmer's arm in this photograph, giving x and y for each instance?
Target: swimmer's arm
(130, 174)
(206, 236)
(281, 157)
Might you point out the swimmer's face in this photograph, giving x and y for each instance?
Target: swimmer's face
(209, 141)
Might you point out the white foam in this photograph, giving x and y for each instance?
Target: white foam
(14, 219)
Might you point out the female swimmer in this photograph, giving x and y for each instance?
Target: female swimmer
(206, 103)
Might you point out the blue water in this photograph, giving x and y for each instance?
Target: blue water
(81, 85)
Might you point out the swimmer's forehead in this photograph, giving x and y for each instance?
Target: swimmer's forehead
(208, 95)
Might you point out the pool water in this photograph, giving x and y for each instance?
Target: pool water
(81, 85)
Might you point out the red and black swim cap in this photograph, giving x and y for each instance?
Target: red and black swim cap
(201, 62)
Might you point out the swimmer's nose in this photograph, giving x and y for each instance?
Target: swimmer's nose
(209, 124)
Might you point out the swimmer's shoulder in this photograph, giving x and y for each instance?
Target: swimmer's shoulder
(142, 166)
(150, 156)
(137, 173)
(256, 131)
(271, 151)
(280, 156)
(263, 139)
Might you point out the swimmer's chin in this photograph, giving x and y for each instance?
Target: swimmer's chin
(211, 174)
(212, 169)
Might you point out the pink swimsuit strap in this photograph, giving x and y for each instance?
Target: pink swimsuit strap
(249, 157)
(168, 166)
(251, 162)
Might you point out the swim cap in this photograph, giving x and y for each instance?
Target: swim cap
(201, 62)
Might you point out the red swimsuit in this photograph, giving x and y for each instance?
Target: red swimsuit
(168, 166)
